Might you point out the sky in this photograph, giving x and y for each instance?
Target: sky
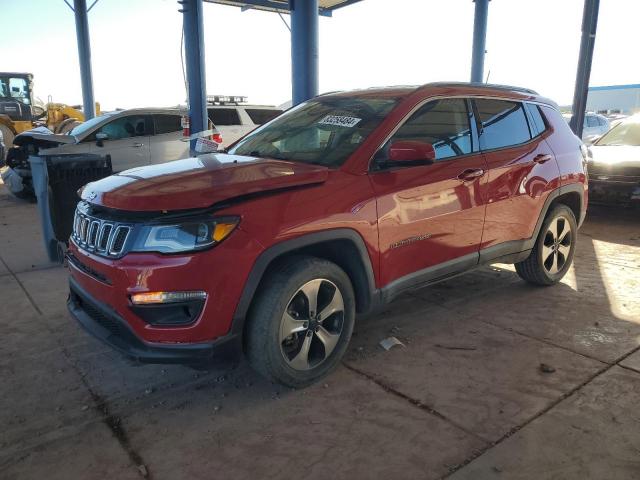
(136, 48)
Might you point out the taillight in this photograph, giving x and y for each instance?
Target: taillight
(216, 137)
(185, 126)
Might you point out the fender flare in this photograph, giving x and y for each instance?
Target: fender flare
(288, 246)
(553, 196)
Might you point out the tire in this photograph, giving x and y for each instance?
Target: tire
(275, 343)
(66, 125)
(553, 252)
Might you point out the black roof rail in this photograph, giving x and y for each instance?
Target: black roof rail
(494, 86)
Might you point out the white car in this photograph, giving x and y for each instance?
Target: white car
(234, 119)
(595, 125)
(133, 138)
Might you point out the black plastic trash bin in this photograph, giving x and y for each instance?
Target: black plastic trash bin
(56, 180)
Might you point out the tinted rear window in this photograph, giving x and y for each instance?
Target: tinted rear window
(167, 123)
(503, 123)
(224, 116)
(262, 115)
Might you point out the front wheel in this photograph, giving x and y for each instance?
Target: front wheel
(301, 321)
(553, 252)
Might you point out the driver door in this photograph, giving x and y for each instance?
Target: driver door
(128, 141)
(430, 217)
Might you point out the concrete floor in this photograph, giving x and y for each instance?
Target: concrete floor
(465, 399)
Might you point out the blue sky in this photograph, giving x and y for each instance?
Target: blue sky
(136, 47)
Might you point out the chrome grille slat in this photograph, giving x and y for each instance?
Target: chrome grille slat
(117, 244)
(103, 237)
(94, 227)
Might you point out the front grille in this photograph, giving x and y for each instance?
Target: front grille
(100, 236)
(615, 173)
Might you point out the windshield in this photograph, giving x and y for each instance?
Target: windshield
(88, 125)
(322, 131)
(626, 133)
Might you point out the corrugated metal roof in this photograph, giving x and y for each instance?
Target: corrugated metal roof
(282, 6)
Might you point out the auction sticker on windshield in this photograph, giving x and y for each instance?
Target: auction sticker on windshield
(340, 121)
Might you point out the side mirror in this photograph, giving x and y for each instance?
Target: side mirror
(411, 152)
(100, 138)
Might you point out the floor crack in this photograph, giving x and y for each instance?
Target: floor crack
(414, 402)
(560, 399)
(112, 422)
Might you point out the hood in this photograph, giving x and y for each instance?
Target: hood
(615, 160)
(622, 155)
(198, 182)
(42, 136)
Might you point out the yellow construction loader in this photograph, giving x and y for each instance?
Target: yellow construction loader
(19, 113)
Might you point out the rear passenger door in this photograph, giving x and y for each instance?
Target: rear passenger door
(522, 171)
(430, 216)
(167, 142)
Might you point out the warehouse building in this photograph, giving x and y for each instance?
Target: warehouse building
(614, 99)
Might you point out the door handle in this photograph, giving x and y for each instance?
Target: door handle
(471, 173)
(542, 158)
(138, 145)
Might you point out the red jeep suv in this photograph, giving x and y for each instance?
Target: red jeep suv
(333, 208)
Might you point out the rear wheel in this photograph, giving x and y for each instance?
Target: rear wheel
(66, 125)
(301, 321)
(553, 252)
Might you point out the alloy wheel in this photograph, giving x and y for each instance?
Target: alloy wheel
(312, 324)
(556, 245)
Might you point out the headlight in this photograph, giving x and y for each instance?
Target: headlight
(184, 237)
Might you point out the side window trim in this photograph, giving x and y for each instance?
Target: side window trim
(533, 128)
(473, 127)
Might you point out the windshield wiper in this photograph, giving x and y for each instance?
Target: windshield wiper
(276, 156)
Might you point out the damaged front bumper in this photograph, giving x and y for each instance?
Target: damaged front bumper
(618, 191)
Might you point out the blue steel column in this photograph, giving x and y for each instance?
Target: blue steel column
(84, 56)
(194, 58)
(304, 49)
(479, 40)
(589, 27)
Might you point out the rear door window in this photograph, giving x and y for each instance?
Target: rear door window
(167, 123)
(224, 116)
(502, 123)
(262, 115)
